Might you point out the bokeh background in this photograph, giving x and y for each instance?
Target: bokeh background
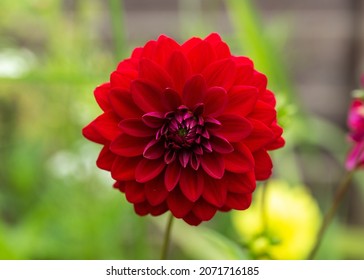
(55, 203)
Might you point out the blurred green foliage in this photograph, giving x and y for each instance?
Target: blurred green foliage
(54, 202)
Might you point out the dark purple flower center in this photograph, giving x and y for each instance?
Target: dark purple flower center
(185, 136)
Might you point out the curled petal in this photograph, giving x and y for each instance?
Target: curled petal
(154, 149)
(203, 210)
(147, 169)
(123, 168)
(214, 192)
(101, 95)
(263, 165)
(200, 56)
(220, 73)
(241, 100)
(153, 119)
(136, 127)
(220, 145)
(234, 128)
(147, 97)
(172, 175)
(213, 164)
(154, 74)
(215, 101)
(155, 191)
(128, 146)
(240, 160)
(194, 91)
(105, 159)
(191, 184)
(123, 104)
(179, 69)
(178, 204)
(238, 201)
(134, 192)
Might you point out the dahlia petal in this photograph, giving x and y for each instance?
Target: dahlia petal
(134, 192)
(190, 44)
(234, 128)
(191, 184)
(261, 136)
(178, 204)
(128, 146)
(93, 135)
(105, 159)
(279, 141)
(184, 158)
(149, 49)
(104, 127)
(153, 119)
(195, 161)
(220, 73)
(171, 99)
(240, 160)
(142, 208)
(238, 201)
(152, 73)
(192, 219)
(146, 96)
(165, 47)
(240, 183)
(194, 91)
(200, 56)
(220, 145)
(244, 74)
(148, 169)
(123, 168)
(213, 164)
(263, 165)
(136, 127)
(101, 95)
(154, 149)
(203, 210)
(260, 81)
(213, 38)
(264, 113)
(137, 53)
(214, 191)
(159, 209)
(122, 78)
(215, 101)
(155, 191)
(269, 98)
(212, 123)
(123, 104)
(119, 186)
(172, 175)
(169, 156)
(241, 100)
(179, 69)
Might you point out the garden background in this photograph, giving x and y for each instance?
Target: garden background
(55, 203)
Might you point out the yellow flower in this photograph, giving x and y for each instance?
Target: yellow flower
(285, 227)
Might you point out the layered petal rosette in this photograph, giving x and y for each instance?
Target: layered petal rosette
(186, 128)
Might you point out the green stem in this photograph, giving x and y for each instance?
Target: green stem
(339, 195)
(117, 25)
(167, 236)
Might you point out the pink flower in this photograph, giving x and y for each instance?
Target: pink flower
(356, 134)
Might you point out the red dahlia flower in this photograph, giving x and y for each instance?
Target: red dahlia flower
(186, 128)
